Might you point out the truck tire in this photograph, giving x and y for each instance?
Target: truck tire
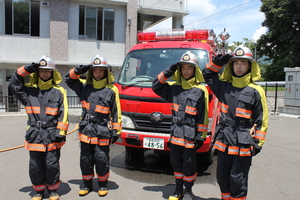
(207, 157)
(133, 153)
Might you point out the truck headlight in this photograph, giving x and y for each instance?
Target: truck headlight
(127, 122)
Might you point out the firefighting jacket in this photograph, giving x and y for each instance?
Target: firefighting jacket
(100, 107)
(243, 108)
(46, 106)
(189, 105)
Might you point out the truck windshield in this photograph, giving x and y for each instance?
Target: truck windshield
(142, 66)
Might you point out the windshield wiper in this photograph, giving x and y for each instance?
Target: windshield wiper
(137, 82)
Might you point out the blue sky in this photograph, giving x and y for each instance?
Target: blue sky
(241, 18)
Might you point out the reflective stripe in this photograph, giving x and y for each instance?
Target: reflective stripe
(202, 127)
(240, 112)
(93, 140)
(224, 107)
(55, 145)
(182, 142)
(213, 67)
(178, 175)
(22, 72)
(42, 147)
(85, 104)
(161, 78)
(261, 135)
(225, 196)
(102, 109)
(87, 177)
(117, 126)
(54, 187)
(175, 107)
(190, 178)
(39, 187)
(232, 150)
(73, 75)
(62, 125)
(245, 152)
(51, 111)
(220, 146)
(103, 178)
(32, 109)
(191, 110)
(239, 198)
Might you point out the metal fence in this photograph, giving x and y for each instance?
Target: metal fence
(274, 92)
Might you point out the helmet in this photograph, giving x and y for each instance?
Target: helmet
(46, 63)
(189, 58)
(242, 52)
(98, 61)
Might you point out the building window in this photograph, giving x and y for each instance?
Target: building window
(22, 17)
(96, 23)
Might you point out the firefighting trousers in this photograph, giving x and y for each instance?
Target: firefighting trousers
(184, 164)
(94, 155)
(44, 169)
(232, 175)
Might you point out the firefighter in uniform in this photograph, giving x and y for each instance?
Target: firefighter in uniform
(189, 105)
(47, 109)
(100, 123)
(243, 123)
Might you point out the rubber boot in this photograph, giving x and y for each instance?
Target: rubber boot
(88, 186)
(178, 192)
(188, 194)
(103, 191)
(53, 195)
(38, 196)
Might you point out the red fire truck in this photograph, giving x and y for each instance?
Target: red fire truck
(146, 116)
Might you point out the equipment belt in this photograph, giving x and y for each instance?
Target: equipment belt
(177, 120)
(92, 118)
(236, 123)
(41, 124)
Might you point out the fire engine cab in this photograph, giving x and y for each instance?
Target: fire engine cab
(147, 117)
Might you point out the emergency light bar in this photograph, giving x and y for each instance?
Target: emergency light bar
(204, 34)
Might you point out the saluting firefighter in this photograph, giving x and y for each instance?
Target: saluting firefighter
(189, 106)
(47, 109)
(243, 124)
(100, 123)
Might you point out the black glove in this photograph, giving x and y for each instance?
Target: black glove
(174, 67)
(114, 139)
(33, 67)
(256, 148)
(81, 69)
(221, 60)
(170, 70)
(198, 144)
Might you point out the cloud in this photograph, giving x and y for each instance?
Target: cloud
(258, 33)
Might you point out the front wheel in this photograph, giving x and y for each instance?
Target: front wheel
(207, 157)
(133, 153)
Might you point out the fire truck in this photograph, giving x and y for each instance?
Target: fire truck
(146, 117)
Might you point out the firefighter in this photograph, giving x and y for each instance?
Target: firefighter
(46, 105)
(189, 106)
(243, 123)
(100, 123)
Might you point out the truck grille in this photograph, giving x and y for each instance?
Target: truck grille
(143, 122)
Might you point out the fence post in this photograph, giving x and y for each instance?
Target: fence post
(276, 89)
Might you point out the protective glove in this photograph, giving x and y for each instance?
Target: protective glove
(114, 139)
(170, 70)
(221, 60)
(198, 144)
(82, 69)
(33, 67)
(256, 148)
(174, 67)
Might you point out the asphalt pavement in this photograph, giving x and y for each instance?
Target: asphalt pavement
(274, 173)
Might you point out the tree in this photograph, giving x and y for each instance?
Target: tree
(281, 43)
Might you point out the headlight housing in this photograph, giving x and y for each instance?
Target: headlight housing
(127, 122)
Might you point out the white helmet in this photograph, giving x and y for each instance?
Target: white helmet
(46, 63)
(99, 61)
(189, 58)
(242, 52)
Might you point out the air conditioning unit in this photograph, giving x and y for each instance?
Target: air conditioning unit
(45, 3)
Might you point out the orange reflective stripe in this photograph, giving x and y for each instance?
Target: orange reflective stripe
(239, 198)
(190, 178)
(161, 78)
(261, 135)
(224, 108)
(213, 67)
(178, 175)
(117, 126)
(93, 140)
(31, 109)
(103, 178)
(232, 150)
(175, 107)
(85, 104)
(62, 125)
(102, 109)
(240, 112)
(54, 187)
(202, 127)
(51, 111)
(34, 147)
(39, 187)
(22, 72)
(73, 75)
(88, 177)
(220, 146)
(182, 142)
(225, 196)
(103, 142)
(190, 110)
(245, 152)
(55, 145)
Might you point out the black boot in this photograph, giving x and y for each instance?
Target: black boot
(188, 194)
(178, 192)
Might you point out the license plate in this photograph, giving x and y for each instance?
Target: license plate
(153, 143)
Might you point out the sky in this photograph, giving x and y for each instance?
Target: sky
(241, 18)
